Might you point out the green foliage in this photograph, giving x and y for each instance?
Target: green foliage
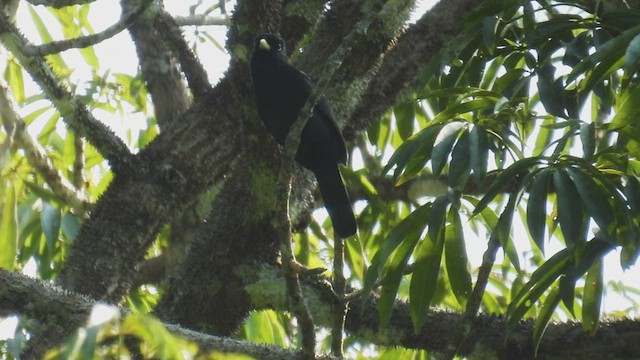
(525, 127)
(536, 147)
(119, 337)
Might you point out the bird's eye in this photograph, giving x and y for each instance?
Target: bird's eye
(279, 46)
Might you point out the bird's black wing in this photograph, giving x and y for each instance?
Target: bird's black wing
(323, 111)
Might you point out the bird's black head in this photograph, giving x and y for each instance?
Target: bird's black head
(269, 43)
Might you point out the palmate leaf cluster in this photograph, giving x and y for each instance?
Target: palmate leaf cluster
(530, 114)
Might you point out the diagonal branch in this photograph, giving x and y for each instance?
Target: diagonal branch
(70, 107)
(85, 41)
(202, 20)
(193, 70)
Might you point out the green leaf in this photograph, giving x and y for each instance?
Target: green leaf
(394, 275)
(415, 221)
(595, 198)
(592, 301)
(632, 55)
(506, 176)
(503, 229)
(489, 28)
(405, 117)
(13, 76)
(537, 208)
(588, 139)
(628, 110)
(50, 220)
(425, 278)
(442, 148)
(463, 108)
(540, 281)
(551, 91)
(544, 316)
(608, 52)
(70, 226)
(413, 154)
(570, 210)
(9, 226)
(479, 148)
(437, 214)
(56, 59)
(456, 258)
(460, 160)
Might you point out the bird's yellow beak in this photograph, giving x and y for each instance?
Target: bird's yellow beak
(264, 45)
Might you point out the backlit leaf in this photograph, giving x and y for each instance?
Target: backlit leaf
(9, 228)
(456, 258)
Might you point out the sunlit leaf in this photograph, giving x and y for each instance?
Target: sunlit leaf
(592, 302)
(13, 76)
(9, 228)
(456, 258)
(56, 59)
(628, 110)
(442, 149)
(425, 278)
(411, 224)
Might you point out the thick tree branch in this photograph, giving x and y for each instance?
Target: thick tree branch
(70, 107)
(168, 179)
(61, 311)
(413, 50)
(191, 67)
(125, 21)
(160, 72)
(615, 339)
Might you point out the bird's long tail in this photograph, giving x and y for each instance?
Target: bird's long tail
(336, 201)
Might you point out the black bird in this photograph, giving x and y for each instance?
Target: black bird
(281, 91)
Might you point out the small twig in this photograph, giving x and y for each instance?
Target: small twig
(339, 307)
(37, 157)
(85, 41)
(78, 162)
(202, 20)
(294, 293)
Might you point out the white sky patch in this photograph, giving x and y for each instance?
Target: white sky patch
(101, 313)
(8, 327)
